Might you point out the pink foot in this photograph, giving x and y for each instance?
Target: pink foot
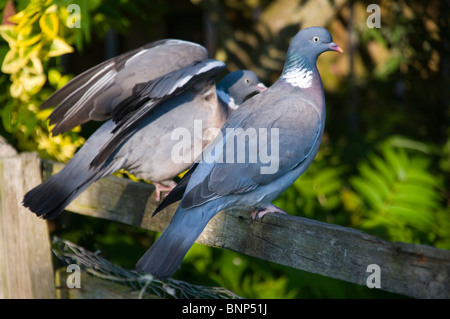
(163, 188)
(259, 213)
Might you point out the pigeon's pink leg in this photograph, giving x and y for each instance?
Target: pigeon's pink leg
(259, 213)
(163, 188)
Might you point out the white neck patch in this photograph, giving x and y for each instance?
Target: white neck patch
(227, 99)
(301, 78)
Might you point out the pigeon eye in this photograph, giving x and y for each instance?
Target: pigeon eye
(315, 39)
(247, 80)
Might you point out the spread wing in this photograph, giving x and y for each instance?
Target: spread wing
(94, 94)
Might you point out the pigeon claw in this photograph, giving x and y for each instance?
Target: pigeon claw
(162, 188)
(259, 213)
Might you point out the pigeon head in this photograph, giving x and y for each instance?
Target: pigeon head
(311, 42)
(237, 86)
(305, 48)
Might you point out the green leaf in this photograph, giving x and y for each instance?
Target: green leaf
(7, 117)
(327, 174)
(423, 177)
(395, 162)
(375, 178)
(421, 202)
(404, 142)
(399, 192)
(333, 186)
(387, 172)
(368, 191)
(420, 219)
(418, 190)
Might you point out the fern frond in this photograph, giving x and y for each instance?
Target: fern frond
(398, 192)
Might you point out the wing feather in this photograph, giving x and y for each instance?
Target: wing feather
(94, 94)
(299, 128)
(132, 111)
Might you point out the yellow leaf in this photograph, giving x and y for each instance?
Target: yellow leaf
(16, 89)
(9, 34)
(26, 53)
(25, 14)
(36, 65)
(33, 83)
(25, 40)
(49, 24)
(12, 62)
(43, 114)
(17, 17)
(54, 76)
(52, 9)
(27, 22)
(59, 47)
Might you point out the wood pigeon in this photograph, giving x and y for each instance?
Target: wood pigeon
(286, 121)
(147, 94)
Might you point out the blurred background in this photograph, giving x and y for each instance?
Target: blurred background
(384, 163)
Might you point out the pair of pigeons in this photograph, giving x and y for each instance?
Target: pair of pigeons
(149, 93)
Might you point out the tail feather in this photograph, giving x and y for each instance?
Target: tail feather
(50, 198)
(166, 254)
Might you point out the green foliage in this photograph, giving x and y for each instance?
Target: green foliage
(393, 193)
(397, 194)
(37, 35)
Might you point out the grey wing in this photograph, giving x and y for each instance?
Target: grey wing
(95, 93)
(146, 97)
(291, 136)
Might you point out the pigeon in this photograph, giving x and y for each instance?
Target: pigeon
(139, 135)
(263, 147)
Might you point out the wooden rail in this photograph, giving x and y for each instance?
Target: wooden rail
(413, 270)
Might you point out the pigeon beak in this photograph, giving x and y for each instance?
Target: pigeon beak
(334, 47)
(261, 87)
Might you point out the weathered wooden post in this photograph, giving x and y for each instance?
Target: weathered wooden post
(26, 269)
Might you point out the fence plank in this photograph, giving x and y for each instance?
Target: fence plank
(26, 269)
(413, 270)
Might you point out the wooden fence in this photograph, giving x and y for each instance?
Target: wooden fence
(25, 259)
